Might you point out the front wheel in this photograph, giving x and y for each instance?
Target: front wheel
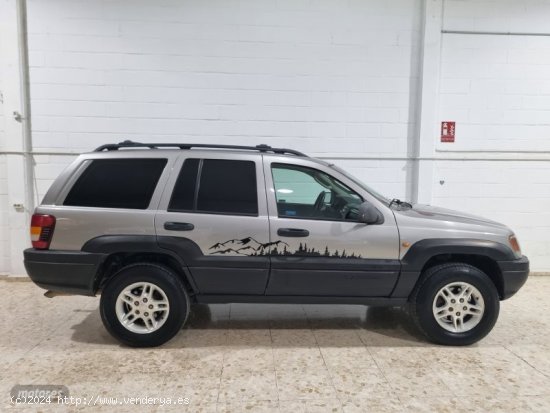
(455, 304)
(144, 305)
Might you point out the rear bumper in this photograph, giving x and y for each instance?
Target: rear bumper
(514, 275)
(65, 271)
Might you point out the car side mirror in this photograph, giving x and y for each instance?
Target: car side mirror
(368, 214)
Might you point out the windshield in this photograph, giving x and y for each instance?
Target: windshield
(356, 181)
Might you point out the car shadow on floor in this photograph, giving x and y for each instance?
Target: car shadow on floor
(390, 325)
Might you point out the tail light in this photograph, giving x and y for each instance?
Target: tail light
(42, 227)
(514, 243)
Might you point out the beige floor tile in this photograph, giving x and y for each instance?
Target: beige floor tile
(213, 338)
(401, 357)
(479, 357)
(421, 382)
(375, 404)
(248, 358)
(11, 354)
(249, 337)
(503, 404)
(250, 406)
(314, 358)
(390, 337)
(519, 380)
(298, 359)
(192, 362)
(32, 369)
(307, 384)
(81, 331)
(247, 385)
(311, 406)
(538, 404)
(537, 355)
(284, 337)
(337, 338)
(198, 391)
(208, 315)
(350, 358)
(360, 384)
(439, 405)
(146, 408)
(190, 408)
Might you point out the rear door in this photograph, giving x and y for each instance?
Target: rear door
(213, 213)
(318, 247)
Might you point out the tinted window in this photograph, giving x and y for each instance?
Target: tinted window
(184, 191)
(117, 183)
(228, 187)
(225, 186)
(309, 193)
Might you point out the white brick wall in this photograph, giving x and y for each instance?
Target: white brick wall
(48, 167)
(497, 15)
(335, 79)
(329, 75)
(4, 250)
(4, 231)
(497, 89)
(515, 193)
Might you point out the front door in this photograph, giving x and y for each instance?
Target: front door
(318, 247)
(213, 214)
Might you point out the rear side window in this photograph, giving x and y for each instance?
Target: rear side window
(117, 183)
(216, 186)
(184, 191)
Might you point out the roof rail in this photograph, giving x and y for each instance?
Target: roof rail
(131, 144)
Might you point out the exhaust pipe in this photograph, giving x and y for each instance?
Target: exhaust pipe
(52, 294)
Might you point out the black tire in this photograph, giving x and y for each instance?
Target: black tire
(162, 277)
(435, 278)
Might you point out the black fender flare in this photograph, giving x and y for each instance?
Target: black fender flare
(422, 251)
(115, 244)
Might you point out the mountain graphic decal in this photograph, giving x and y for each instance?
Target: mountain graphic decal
(252, 248)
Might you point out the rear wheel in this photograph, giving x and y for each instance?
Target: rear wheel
(144, 305)
(455, 304)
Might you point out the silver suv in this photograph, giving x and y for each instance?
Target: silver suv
(156, 228)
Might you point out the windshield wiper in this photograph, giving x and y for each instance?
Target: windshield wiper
(398, 202)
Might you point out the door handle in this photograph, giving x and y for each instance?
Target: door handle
(178, 226)
(292, 232)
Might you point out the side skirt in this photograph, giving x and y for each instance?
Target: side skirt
(297, 299)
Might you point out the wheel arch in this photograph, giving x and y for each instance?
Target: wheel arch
(123, 250)
(482, 254)
(486, 264)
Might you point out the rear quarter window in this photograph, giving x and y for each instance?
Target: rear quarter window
(117, 183)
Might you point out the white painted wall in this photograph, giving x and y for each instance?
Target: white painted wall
(329, 78)
(4, 250)
(338, 80)
(9, 102)
(497, 89)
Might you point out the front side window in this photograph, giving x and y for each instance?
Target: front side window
(308, 193)
(117, 183)
(216, 186)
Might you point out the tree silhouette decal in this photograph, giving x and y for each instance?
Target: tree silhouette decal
(252, 248)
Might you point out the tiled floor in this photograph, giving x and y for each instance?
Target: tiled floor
(287, 358)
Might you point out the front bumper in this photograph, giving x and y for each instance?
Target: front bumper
(65, 271)
(514, 274)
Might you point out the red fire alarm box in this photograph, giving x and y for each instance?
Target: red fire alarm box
(447, 131)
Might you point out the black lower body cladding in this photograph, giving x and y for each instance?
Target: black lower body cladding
(514, 275)
(65, 271)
